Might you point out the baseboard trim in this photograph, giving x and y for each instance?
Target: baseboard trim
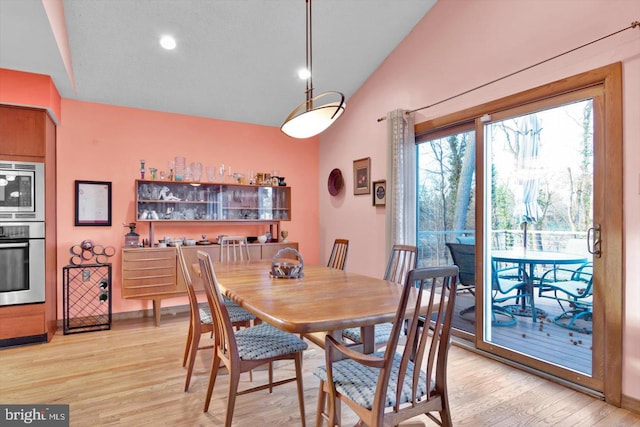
(630, 404)
(142, 314)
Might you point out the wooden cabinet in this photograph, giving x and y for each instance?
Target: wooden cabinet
(22, 131)
(29, 134)
(148, 272)
(153, 273)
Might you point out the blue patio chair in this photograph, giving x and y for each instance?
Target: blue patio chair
(507, 283)
(573, 290)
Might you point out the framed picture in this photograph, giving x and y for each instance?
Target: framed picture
(361, 171)
(379, 193)
(93, 203)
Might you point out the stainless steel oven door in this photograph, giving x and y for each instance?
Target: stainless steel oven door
(22, 271)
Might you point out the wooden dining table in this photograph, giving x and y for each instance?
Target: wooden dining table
(325, 300)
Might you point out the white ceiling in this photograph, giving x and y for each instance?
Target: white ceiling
(236, 59)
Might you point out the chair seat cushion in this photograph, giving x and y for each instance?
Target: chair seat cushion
(382, 332)
(574, 288)
(359, 382)
(236, 313)
(265, 341)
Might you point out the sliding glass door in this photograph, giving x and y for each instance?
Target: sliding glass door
(524, 194)
(538, 268)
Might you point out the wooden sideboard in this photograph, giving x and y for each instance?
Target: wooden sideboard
(153, 273)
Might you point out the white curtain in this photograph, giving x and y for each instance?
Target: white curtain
(401, 180)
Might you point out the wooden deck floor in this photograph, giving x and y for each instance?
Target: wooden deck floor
(543, 339)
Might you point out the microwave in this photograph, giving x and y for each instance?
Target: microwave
(21, 191)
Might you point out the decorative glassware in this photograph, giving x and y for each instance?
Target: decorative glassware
(196, 171)
(211, 173)
(179, 168)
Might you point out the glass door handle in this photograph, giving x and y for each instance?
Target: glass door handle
(594, 241)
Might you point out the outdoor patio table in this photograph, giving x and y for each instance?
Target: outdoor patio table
(531, 258)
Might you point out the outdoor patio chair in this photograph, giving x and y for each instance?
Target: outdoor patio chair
(574, 295)
(509, 283)
(464, 256)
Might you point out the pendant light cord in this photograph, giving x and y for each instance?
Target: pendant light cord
(634, 24)
(309, 49)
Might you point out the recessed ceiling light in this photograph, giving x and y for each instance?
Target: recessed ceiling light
(168, 42)
(304, 74)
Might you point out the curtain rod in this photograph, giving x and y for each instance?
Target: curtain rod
(634, 24)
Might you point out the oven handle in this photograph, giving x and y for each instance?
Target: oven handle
(13, 245)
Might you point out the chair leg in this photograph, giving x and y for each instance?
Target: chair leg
(445, 412)
(321, 404)
(212, 379)
(195, 342)
(188, 346)
(234, 381)
(270, 377)
(298, 363)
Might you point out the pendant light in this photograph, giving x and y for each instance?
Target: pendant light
(317, 113)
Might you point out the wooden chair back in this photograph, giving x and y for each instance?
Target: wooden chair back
(224, 337)
(234, 248)
(426, 346)
(266, 346)
(338, 257)
(402, 260)
(197, 326)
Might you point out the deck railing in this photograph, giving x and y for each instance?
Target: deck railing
(433, 251)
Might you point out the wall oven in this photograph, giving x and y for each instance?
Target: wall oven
(22, 263)
(21, 191)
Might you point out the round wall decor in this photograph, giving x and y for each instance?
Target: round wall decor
(336, 182)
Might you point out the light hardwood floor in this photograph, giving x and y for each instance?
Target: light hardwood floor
(132, 376)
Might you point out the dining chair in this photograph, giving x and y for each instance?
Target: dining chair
(407, 378)
(246, 349)
(572, 289)
(201, 321)
(403, 258)
(338, 257)
(234, 248)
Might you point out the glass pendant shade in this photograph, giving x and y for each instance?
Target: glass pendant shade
(314, 115)
(308, 120)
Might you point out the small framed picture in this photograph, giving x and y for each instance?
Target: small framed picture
(361, 171)
(93, 203)
(379, 193)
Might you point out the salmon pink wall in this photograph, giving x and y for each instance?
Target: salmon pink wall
(100, 142)
(460, 45)
(30, 90)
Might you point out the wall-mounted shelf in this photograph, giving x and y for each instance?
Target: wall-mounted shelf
(213, 203)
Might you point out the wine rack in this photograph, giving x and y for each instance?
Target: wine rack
(86, 298)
